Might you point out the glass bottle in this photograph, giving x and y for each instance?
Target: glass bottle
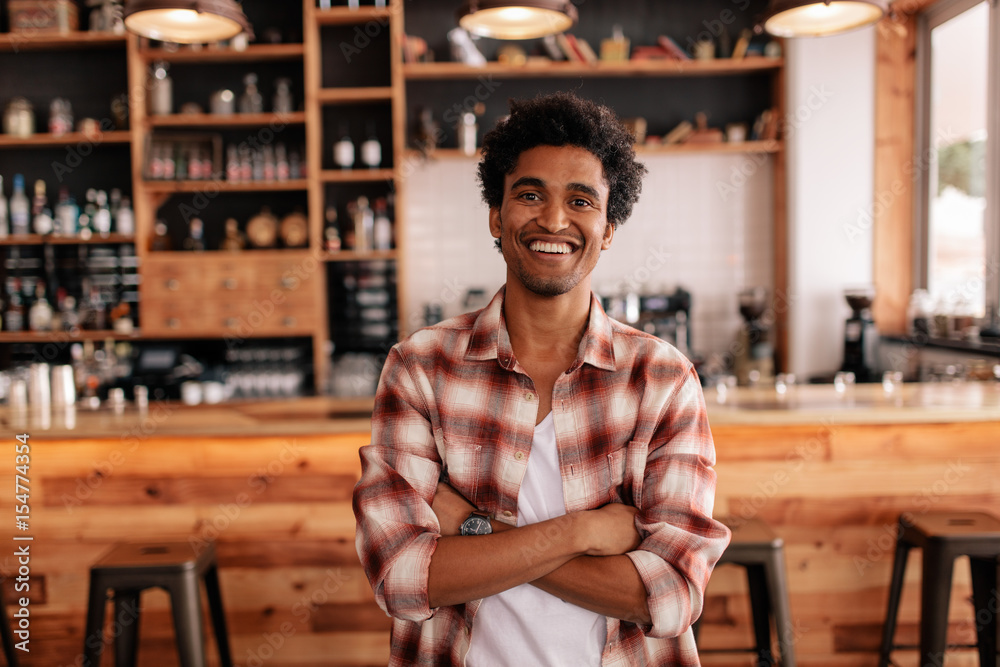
(232, 164)
(331, 235)
(283, 102)
(371, 149)
(364, 222)
(20, 208)
(102, 218)
(269, 163)
(251, 101)
(14, 317)
(41, 214)
(195, 241)
(4, 214)
(125, 218)
(234, 240)
(281, 168)
(161, 92)
(67, 213)
(160, 241)
(382, 232)
(40, 314)
(343, 150)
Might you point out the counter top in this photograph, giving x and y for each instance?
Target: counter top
(929, 402)
(909, 403)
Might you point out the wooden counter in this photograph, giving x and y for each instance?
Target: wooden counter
(271, 484)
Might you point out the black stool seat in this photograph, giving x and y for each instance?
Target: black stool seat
(755, 547)
(6, 635)
(944, 536)
(127, 569)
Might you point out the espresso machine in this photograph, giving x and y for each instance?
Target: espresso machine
(861, 336)
(754, 358)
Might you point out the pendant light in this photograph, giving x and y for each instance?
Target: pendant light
(516, 19)
(803, 18)
(186, 21)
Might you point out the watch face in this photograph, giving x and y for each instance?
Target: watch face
(476, 525)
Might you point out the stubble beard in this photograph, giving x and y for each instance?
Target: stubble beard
(542, 286)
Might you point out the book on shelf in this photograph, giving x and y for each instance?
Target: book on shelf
(672, 48)
(742, 44)
(679, 134)
(572, 55)
(589, 56)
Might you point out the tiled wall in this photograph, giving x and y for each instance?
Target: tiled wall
(703, 222)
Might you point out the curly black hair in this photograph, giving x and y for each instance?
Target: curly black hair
(563, 119)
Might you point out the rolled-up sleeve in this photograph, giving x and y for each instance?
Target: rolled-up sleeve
(397, 530)
(681, 541)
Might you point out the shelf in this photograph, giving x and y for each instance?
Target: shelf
(62, 336)
(45, 139)
(347, 16)
(651, 68)
(253, 53)
(354, 95)
(36, 239)
(234, 120)
(16, 42)
(354, 256)
(224, 186)
(252, 253)
(355, 175)
(744, 147)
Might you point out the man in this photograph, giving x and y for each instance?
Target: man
(539, 488)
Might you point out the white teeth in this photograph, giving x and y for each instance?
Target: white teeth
(552, 248)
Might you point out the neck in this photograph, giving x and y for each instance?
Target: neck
(546, 326)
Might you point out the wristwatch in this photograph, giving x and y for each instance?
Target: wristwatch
(478, 523)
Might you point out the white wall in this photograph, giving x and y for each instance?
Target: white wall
(831, 151)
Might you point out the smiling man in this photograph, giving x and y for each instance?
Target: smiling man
(539, 485)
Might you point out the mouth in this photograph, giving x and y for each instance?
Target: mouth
(550, 248)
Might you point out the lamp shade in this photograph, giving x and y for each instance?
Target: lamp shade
(516, 19)
(802, 18)
(186, 21)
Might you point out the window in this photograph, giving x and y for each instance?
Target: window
(958, 207)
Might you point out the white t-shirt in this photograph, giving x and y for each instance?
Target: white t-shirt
(525, 625)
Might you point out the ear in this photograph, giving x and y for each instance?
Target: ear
(609, 233)
(495, 224)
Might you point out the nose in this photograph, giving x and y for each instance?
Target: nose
(553, 217)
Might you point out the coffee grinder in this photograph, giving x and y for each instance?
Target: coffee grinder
(754, 359)
(860, 336)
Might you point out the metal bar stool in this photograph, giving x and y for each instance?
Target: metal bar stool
(6, 635)
(127, 570)
(756, 548)
(944, 536)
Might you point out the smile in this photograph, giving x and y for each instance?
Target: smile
(551, 248)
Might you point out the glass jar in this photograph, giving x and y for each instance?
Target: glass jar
(19, 118)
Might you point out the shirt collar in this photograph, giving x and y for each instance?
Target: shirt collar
(490, 339)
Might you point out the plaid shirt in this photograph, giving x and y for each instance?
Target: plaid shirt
(630, 425)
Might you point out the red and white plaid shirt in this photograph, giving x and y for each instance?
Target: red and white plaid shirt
(630, 426)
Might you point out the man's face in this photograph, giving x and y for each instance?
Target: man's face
(553, 223)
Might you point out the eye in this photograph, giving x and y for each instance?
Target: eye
(529, 196)
(579, 201)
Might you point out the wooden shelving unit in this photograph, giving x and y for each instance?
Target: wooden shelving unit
(36, 239)
(650, 68)
(356, 175)
(45, 140)
(170, 187)
(253, 53)
(655, 149)
(354, 95)
(234, 120)
(38, 41)
(353, 256)
(63, 336)
(347, 16)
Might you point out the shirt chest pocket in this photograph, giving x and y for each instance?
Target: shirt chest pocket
(463, 467)
(625, 473)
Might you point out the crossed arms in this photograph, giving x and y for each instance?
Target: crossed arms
(578, 557)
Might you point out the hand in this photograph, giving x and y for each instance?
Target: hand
(451, 509)
(610, 530)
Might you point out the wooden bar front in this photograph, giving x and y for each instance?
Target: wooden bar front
(279, 508)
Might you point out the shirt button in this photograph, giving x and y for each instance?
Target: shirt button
(529, 396)
(508, 513)
(519, 456)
